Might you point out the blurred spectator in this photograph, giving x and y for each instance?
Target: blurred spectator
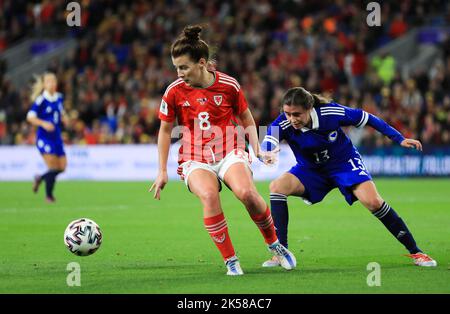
(356, 66)
(385, 67)
(398, 26)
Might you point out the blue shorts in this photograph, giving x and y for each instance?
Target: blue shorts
(343, 175)
(46, 146)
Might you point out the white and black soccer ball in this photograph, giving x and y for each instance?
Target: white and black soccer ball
(83, 237)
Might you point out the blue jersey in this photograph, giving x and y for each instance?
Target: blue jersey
(325, 143)
(48, 108)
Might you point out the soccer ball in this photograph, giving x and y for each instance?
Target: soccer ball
(83, 237)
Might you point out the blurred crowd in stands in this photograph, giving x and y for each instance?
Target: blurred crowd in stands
(114, 80)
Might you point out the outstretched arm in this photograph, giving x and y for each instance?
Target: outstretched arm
(360, 118)
(381, 126)
(250, 128)
(165, 131)
(267, 157)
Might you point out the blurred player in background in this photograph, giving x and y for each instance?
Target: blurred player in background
(206, 103)
(46, 113)
(326, 159)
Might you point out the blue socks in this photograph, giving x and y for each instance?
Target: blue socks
(386, 214)
(397, 227)
(50, 177)
(280, 215)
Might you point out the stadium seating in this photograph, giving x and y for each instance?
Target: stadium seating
(114, 80)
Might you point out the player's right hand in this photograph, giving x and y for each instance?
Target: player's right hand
(159, 184)
(270, 157)
(48, 126)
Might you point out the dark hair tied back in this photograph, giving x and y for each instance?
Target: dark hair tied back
(298, 96)
(192, 33)
(189, 43)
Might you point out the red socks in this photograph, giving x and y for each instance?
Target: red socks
(218, 230)
(266, 226)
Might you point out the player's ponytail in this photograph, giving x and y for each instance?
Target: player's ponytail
(190, 43)
(37, 87)
(320, 99)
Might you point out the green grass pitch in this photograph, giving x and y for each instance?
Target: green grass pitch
(162, 247)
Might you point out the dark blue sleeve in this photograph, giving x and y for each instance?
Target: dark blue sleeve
(359, 118)
(36, 107)
(384, 128)
(353, 116)
(274, 135)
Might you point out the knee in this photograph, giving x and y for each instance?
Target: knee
(373, 204)
(62, 166)
(247, 196)
(276, 187)
(209, 198)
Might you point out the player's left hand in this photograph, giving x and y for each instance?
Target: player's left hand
(180, 173)
(410, 143)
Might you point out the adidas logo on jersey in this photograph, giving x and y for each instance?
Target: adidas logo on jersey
(363, 173)
(186, 104)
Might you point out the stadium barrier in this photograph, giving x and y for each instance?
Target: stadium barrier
(140, 162)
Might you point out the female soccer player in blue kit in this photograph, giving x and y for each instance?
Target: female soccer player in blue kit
(46, 113)
(326, 159)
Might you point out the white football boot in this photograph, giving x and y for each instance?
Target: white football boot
(273, 262)
(233, 266)
(285, 258)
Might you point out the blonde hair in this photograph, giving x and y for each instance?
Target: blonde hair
(38, 86)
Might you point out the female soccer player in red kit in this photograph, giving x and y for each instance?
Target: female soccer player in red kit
(206, 104)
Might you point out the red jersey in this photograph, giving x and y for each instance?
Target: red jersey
(207, 116)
